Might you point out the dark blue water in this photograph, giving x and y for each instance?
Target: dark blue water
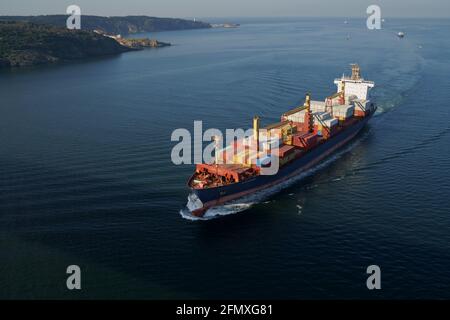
(86, 176)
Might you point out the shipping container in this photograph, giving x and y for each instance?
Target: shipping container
(331, 122)
(322, 115)
(304, 140)
(318, 106)
(296, 117)
(285, 150)
(343, 112)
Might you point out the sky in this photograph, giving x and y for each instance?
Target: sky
(231, 8)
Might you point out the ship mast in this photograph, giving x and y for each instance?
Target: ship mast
(256, 131)
(342, 93)
(356, 72)
(309, 111)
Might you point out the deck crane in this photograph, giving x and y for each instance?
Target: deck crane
(310, 120)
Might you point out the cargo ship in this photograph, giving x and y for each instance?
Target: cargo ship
(306, 135)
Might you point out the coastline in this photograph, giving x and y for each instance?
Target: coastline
(42, 40)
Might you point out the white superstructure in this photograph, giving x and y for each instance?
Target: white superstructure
(355, 87)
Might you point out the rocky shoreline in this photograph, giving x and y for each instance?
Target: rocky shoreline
(142, 43)
(135, 43)
(24, 44)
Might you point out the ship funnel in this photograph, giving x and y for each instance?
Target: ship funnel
(356, 72)
(256, 131)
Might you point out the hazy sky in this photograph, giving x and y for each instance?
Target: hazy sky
(231, 8)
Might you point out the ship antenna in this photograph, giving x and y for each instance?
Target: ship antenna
(356, 71)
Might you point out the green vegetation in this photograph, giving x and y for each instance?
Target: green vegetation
(142, 43)
(31, 40)
(25, 44)
(115, 25)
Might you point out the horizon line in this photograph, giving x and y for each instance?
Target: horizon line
(226, 17)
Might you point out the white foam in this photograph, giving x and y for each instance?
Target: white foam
(186, 214)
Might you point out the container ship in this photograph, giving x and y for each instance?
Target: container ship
(306, 135)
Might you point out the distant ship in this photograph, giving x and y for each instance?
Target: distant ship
(306, 135)
(400, 34)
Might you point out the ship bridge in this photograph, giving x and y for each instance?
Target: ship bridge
(354, 85)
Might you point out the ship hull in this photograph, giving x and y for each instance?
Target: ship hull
(211, 197)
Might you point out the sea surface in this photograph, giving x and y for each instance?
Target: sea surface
(86, 176)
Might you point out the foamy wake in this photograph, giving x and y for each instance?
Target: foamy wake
(247, 202)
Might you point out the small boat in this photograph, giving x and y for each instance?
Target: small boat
(400, 34)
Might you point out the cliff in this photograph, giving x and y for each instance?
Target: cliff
(115, 25)
(26, 44)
